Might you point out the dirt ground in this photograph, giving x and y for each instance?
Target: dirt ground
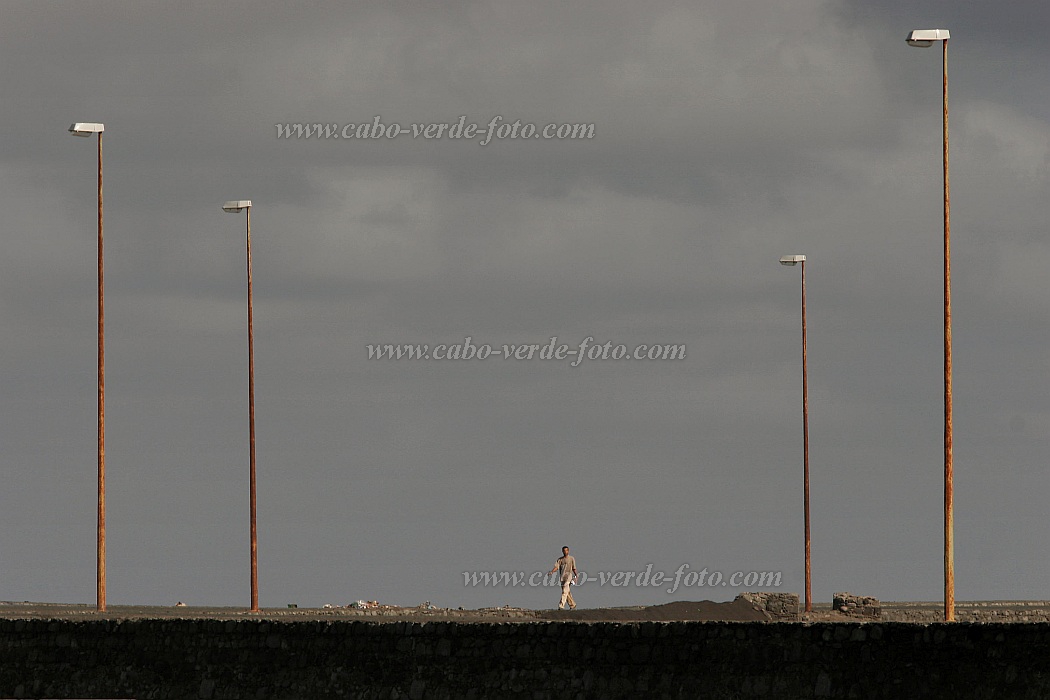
(737, 611)
(705, 610)
(681, 610)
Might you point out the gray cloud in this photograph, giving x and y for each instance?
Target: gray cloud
(726, 135)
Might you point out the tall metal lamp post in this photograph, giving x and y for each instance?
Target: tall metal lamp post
(793, 260)
(925, 38)
(85, 129)
(236, 206)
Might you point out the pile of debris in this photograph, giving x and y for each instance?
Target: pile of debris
(779, 606)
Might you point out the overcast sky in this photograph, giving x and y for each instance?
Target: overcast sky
(725, 135)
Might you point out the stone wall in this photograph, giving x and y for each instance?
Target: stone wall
(253, 659)
(969, 612)
(857, 605)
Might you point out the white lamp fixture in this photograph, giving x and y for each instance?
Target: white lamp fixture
(792, 259)
(236, 205)
(86, 128)
(925, 37)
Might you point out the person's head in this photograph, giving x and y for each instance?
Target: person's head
(564, 550)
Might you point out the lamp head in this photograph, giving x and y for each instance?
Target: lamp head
(926, 37)
(792, 259)
(86, 128)
(236, 205)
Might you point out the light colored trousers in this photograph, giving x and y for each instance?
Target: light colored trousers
(566, 595)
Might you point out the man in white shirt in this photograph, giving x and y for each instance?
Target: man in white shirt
(566, 566)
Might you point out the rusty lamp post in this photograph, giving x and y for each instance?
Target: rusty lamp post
(85, 129)
(793, 260)
(925, 38)
(234, 207)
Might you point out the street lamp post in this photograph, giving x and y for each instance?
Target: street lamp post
(793, 260)
(924, 38)
(234, 207)
(85, 129)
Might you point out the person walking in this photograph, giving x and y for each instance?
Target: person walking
(566, 566)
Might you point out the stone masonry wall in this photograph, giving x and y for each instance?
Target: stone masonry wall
(780, 606)
(254, 659)
(857, 605)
